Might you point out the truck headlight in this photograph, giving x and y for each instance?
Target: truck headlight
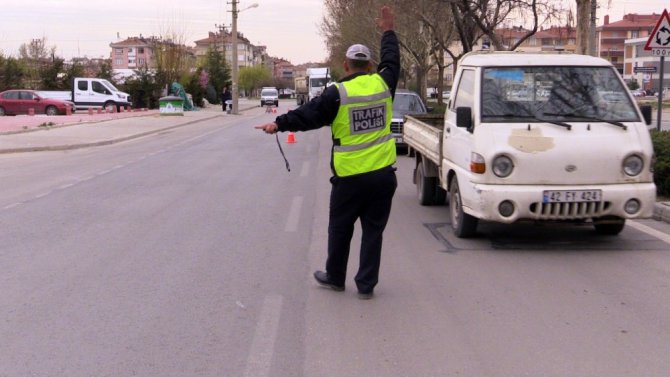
(502, 166)
(632, 165)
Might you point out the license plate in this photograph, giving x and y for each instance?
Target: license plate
(571, 196)
(398, 139)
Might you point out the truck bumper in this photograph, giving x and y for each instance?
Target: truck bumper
(529, 202)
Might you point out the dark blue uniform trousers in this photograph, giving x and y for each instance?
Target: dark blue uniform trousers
(367, 197)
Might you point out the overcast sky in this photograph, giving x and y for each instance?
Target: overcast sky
(289, 28)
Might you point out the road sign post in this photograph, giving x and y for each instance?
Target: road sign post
(659, 45)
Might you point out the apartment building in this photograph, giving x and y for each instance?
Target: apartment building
(636, 56)
(611, 36)
(282, 69)
(133, 53)
(247, 54)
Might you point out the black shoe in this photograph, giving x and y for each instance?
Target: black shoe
(365, 295)
(324, 280)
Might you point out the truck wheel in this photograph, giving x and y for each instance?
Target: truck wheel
(425, 187)
(463, 225)
(51, 111)
(109, 105)
(610, 226)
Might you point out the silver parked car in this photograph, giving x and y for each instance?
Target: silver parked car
(405, 103)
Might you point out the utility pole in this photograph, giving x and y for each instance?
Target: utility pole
(234, 57)
(222, 33)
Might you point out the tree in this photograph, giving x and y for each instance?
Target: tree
(143, 89)
(73, 70)
(252, 78)
(218, 70)
(106, 72)
(35, 54)
(49, 75)
(172, 58)
(583, 16)
(12, 72)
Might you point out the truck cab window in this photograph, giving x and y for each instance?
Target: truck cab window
(82, 85)
(465, 93)
(99, 88)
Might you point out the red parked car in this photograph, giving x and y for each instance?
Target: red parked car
(14, 102)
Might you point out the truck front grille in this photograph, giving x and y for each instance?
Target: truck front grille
(396, 127)
(569, 211)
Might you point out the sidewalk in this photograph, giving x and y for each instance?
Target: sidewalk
(51, 133)
(30, 134)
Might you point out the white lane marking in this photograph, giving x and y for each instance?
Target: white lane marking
(650, 231)
(305, 169)
(262, 347)
(294, 215)
(12, 205)
(42, 195)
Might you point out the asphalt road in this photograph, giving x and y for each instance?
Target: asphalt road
(190, 253)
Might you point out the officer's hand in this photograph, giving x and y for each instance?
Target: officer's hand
(386, 21)
(268, 128)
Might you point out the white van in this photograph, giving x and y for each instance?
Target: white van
(269, 96)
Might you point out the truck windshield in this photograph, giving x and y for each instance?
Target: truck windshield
(570, 94)
(318, 82)
(110, 86)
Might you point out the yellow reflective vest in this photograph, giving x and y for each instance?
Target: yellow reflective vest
(362, 127)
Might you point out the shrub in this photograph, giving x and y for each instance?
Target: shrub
(661, 141)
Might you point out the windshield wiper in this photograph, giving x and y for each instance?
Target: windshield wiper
(509, 115)
(613, 122)
(556, 122)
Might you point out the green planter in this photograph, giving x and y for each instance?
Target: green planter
(171, 105)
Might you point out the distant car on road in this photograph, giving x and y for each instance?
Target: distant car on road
(638, 93)
(20, 101)
(270, 97)
(405, 103)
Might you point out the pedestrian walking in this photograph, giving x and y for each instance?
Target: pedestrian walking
(226, 99)
(358, 108)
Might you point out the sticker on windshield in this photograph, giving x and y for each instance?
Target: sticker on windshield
(367, 119)
(505, 74)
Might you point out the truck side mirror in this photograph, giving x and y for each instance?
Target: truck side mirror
(464, 117)
(646, 114)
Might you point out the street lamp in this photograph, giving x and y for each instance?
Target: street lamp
(234, 55)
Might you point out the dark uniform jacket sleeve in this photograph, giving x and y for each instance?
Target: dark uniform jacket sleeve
(321, 111)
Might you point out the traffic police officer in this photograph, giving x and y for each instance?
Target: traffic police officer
(363, 154)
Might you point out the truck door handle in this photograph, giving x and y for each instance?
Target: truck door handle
(448, 129)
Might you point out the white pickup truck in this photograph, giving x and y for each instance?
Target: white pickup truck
(90, 92)
(538, 137)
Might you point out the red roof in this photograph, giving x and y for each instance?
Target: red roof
(632, 21)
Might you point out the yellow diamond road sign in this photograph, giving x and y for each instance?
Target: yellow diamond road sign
(659, 39)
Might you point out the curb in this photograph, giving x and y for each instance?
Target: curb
(662, 212)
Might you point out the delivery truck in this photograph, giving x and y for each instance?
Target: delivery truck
(311, 85)
(91, 93)
(541, 137)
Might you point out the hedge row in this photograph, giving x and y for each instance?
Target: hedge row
(661, 140)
